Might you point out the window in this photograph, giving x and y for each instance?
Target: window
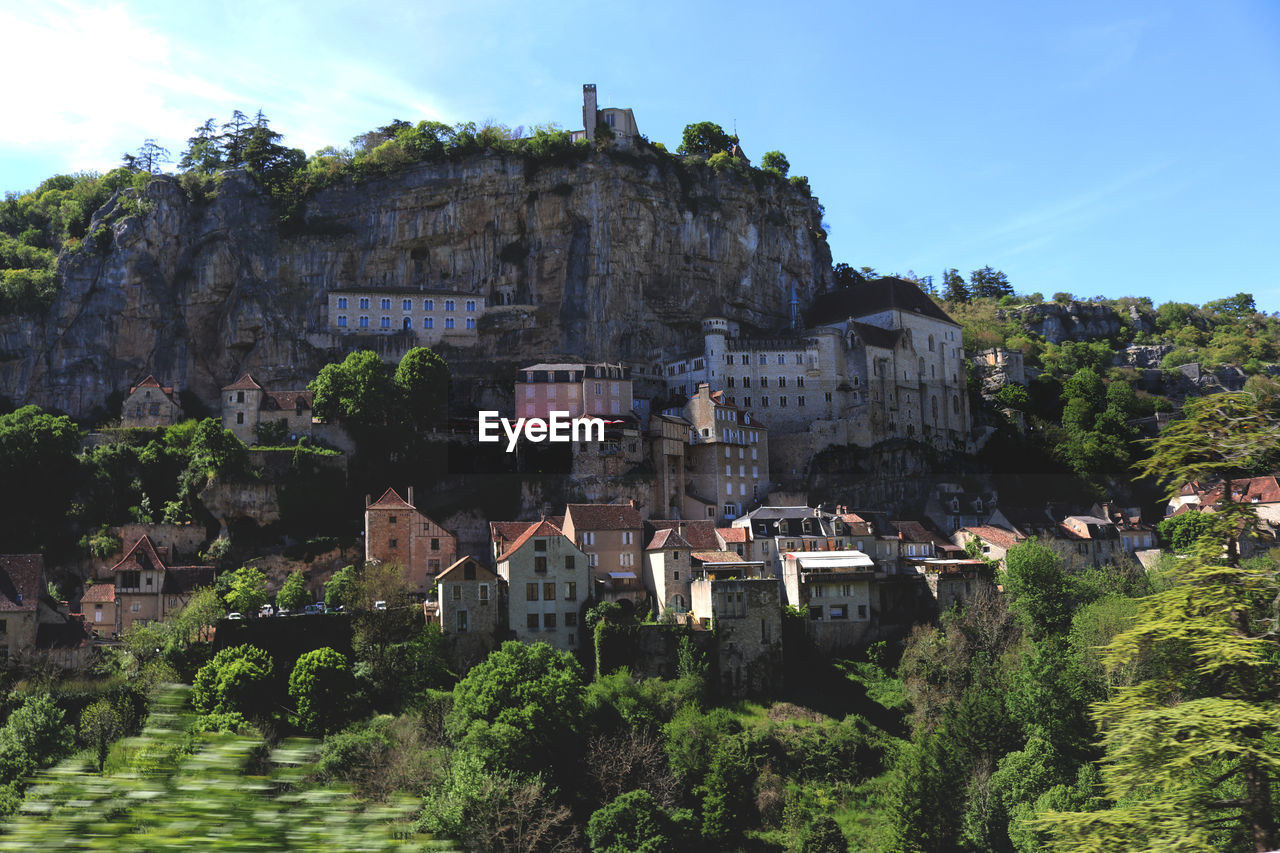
(746, 359)
(471, 322)
(448, 305)
(862, 611)
(457, 591)
(153, 409)
(815, 612)
(531, 592)
(746, 402)
(838, 611)
(800, 401)
(386, 305)
(730, 381)
(728, 470)
(239, 417)
(568, 563)
(782, 401)
(471, 305)
(531, 621)
(130, 580)
(540, 565)
(549, 621)
(342, 321)
(428, 323)
(746, 382)
(462, 621)
(828, 396)
(764, 359)
(384, 323)
(782, 382)
(428, 305)
(342, 302)
(627, 559)
(589, 538)
(393, 543)
(799, 381)
(764, 381)
(406, 305)
(593, 560)
(549, 592)
(364, 302)
(730, 509)
(626, 537)
(136, 608)
(448, 322)
(364, 321)
(782, 359)
(571, 620)
(728, 359)
(764, 402)
(570, 592)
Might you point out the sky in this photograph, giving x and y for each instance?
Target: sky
(1115, 148)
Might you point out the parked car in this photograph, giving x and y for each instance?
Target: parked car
(379, 605)
(267, 611)
(234, 615)
(314, 610)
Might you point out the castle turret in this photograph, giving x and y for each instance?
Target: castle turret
(589, 109)
(715, 331)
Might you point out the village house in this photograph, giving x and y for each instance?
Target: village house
(548, 585)
(744, 605)
(778, 529)
(396, 532)
(472, 609)
(578, 389)
(1090, 540)
(146, 589)
(668, 570)
(728, 456)
(21, 580)
(246, 404)
(992, 542)
(610, 536)
(150, 404)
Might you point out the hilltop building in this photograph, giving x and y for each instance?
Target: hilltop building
(144, 588)
(433, 316)
(621, 121)
(245, 404)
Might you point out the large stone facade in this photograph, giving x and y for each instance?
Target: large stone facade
(246, 404)
(548, 584)
(150, 404)
(396, 532)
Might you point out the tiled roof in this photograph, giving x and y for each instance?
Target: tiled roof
(152, 382)
(458, 567)
(668, 537)
(734, 534)
(543, 528)
(182, 580)
(142, 555)
(699, 532)
(100, 593)
(287, 401)
(390, 500)
(508, 531)
(603, 516)
(717, 556)
(995, 535)
(20, 581)
(911, 531)
(244, 383)
(872, 297)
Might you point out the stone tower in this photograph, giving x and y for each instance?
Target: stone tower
(715, 330)
(589, 109)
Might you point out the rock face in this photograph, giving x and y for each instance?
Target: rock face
(1079, 321)
(616, 257)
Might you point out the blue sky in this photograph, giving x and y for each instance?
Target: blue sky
(1113, 148)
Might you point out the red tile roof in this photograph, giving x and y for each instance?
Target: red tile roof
(20, 576)
(734, 534)
(542, 528)
(152, 382)
(390, 500)
(717, 556)
(287, 401)
(699, 532)
(911, 531)
(142, 555)
(244, 383)
(100, 593)
(508, 531)
(603, 517)
(995, 535)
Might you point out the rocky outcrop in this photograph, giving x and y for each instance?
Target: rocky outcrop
(1079, 321)
(616, 257)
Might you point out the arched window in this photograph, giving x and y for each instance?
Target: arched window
(931, 343)
(408, 323)
(955, 404)
(933, 402)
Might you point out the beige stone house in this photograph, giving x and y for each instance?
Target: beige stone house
(668, 570)
(744, 604)
(245, 404)
(579, 389)
(993, 542)
(472, 608)
(396, 532)
(728, 455)
(150, 404)
(548, 584)
(610, 536)
(21, 581)
(430, 316)
(146, 589)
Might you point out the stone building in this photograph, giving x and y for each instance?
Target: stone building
(993, 542)
(745, 606)
(150, 404)
(610, 536)
(245, 404)
(548, 584)
(578, 389)
(620, 120)
(147, 589)
(829, 585)
(668, 438)
(728, 457)
(433, 316)
(21, 583)
(396, 532)
(472, 608)
(668, 570)
(779, 529)
(872, 362)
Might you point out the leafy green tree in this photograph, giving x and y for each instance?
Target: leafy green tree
(321, 687)
(776, 162)
(423, 381)
(293, 594)
(989, 283)
(1188, 531)
(823, 835)
(953, 287)
(204, 150)
(39, 451)
(521, 709)
(1038, 588)
(342, 588)
(360, 390)
(704, 138)
(100, 724)
(248, 590)
(34, 736)
(632, 823)
(1014, 397)
(235, 680)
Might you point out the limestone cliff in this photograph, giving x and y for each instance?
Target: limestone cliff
(616, 257)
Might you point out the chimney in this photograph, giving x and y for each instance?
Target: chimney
(631, 503)
(409, 499)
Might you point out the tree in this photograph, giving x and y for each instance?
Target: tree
(704, 138)
(823, 835)
(321, 687)
(989, 283)
(100, 724)
(235, 680)
(953, 286)
(342, 588)
(521, 709)
(1038, 588)
(248, 590)
(34, 736)
(39, 451)
(360, 390)
(1191, 752)
(632, 823)
(423, 381)
(203, 611)
(149, 158)
(293, 594)
(204, 150)
(776, 162)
